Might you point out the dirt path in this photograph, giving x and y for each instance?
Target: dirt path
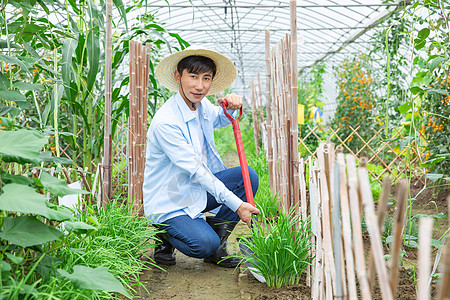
(191, 278)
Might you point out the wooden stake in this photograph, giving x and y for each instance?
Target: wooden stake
(355, 211)
(382, 205)
(425, 235)
(107, 145)
(294, 95)
(398, 233)
(330, 269)
(374, 231)
(346, 228)
(269, 110)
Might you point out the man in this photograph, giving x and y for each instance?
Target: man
(184, 175)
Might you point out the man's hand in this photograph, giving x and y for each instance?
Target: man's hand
(245, 212)
(234, 101)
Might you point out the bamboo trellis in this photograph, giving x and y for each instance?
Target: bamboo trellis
(139, 72)
(281, 124)
(373, 147)
(339, 193)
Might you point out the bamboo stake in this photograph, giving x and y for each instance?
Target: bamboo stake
(303, 201)
(382, 205)
(425, 235)
(107, 146)
(336, 234)
(355, 211)
(374, 231)
(269, 110)
(294, 91)
(444, 290)
(398, 233)
(346, 228)
(330, 270)
(254, 115)
(315, 228)
(261, 114)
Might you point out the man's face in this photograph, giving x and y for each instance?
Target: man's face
(194, 87)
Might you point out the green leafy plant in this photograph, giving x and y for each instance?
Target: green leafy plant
(279, 250)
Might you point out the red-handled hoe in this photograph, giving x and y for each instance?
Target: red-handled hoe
(245, 175)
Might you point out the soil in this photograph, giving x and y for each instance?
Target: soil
(191, 278)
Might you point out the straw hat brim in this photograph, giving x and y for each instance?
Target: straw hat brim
(225, 69)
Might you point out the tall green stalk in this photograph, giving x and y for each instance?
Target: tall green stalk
(56, 103)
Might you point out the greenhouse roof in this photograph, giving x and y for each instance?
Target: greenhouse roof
(327, 30)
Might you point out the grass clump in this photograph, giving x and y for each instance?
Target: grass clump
(280, 249)
(265, 200)
(117, 245)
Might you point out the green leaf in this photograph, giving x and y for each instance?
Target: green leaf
(15, 259)
(415, 90)
(29, 86)
(434, 177)
(12, 96)
(405, 107)
(93, 51)
(432, 162)
(21, 146)
(8, 109)
(423, 33)
(68, 73)
(14, 61)
(4, 82)
(24, 199)
(411, 244)
(27, 231)
(47, 156)
(19, 179)
(438, 91)
(94, 279)
(58, 187)
(436, 62)
(79, 227)
(419, 44)
(121, 8)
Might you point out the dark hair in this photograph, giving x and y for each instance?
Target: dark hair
(197, 64)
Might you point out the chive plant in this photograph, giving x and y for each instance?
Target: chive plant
(280, 249)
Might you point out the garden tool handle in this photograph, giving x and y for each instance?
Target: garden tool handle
(224, 104)
(241, 153)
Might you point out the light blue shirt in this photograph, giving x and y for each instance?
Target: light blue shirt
(175, 178)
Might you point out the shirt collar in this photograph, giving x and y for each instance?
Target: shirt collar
(186, 112)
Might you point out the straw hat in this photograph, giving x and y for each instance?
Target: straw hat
(225, 69)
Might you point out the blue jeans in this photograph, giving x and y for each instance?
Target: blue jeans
(194, 237)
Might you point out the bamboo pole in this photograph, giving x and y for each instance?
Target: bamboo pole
(382, 205)
(107, 145)
(444, 289)
(254, 115)
(346, 228)
(374, 231)
(294, 91)
(261, 115)
(355, 212)
(330, 270)
(398, 233)
(269, 110)
(425, 235)
(304, 206)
